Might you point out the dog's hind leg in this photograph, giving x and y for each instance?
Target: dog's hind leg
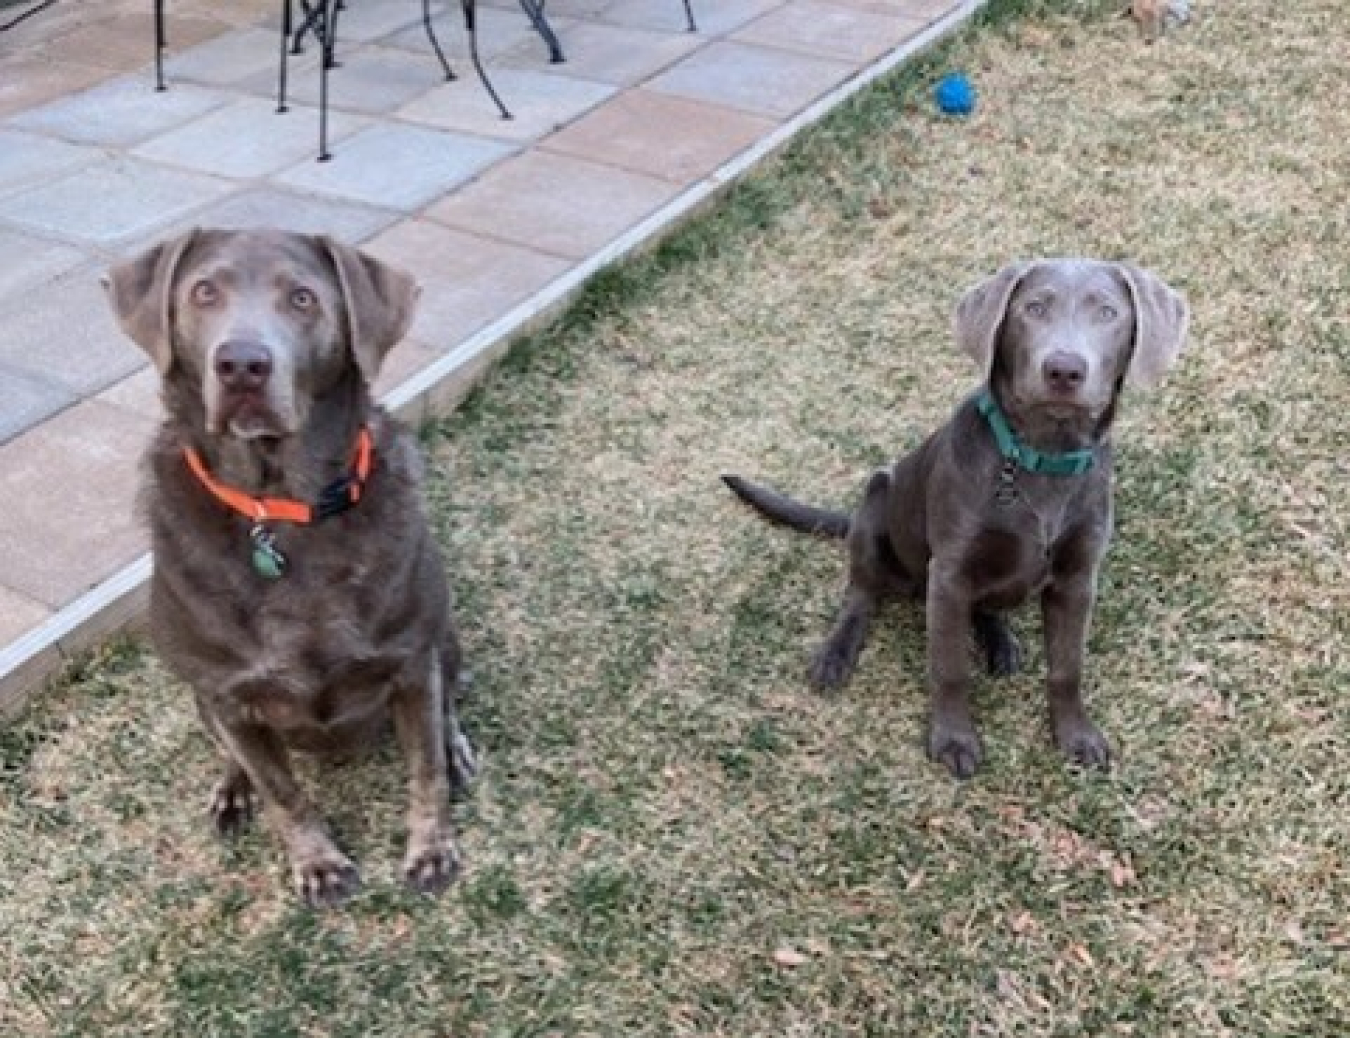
(460, 757)
(872, 573)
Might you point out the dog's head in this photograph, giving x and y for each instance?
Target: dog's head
(255, 325)
(1063, 334)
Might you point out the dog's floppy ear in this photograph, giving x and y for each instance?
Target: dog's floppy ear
(1160, 319)
(141, 293)
(380, 302)
(979, 314)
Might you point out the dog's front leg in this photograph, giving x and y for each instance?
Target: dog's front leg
(419, 719)
(323, 875)
(1066, 611)
(951, 729)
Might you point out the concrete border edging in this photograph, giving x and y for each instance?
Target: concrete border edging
(119, 602)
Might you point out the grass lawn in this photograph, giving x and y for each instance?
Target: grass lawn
(673, 835)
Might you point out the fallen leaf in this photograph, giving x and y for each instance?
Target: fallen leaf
(789, 957)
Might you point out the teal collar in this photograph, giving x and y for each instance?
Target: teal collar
(1070, 463)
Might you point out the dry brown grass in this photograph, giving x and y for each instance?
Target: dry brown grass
(666, 806)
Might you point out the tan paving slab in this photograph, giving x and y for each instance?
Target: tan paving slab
(123, 41)
(607, 53)
(19, 614)
(27, 399)
(539, 102)
(554, 203)
(853, 34)
(764, 80)
(661, 135)
(64, 534)
(137, 393)
(31, 80)
(499, 30)
(466, 280)
(926, 11)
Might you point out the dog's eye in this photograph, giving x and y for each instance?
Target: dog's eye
(304, 300)
(205, 294)
(1037, 308)
(1108, 313)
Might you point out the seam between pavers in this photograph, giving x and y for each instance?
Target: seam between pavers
(74, 627)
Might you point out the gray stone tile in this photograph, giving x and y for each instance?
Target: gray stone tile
(539, 102)
(26, 399)
(400, 166)
(713, 17)
(121, 112)
(762, 80)
(608, 53)
(31, 261)
(268, 206)
(64, 333)
(27, 159)
(247, 139)
(232, 58)
(499, 30)
(369, 79)
(111, 200)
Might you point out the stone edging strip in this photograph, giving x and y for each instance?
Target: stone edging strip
(119, 602)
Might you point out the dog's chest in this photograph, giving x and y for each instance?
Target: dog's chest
(1019, 551)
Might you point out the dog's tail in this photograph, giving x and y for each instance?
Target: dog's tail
(818, 521)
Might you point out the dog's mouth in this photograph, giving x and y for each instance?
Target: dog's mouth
(248, 415)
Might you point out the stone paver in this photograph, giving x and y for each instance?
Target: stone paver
(27, 159)
(850, 34)
(64, 333)
(226, 142)
(763, 80)
(669, 137)
(466, 280)
(539, 103)
(86, 521)
(404, 167)
(492, 217)
(111, 200)
(120, 112)
(554, 203)
(607, 53)
(26, 399)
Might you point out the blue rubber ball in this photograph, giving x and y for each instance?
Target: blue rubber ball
(955, 95)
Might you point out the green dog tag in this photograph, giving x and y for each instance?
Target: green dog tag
(268, 562)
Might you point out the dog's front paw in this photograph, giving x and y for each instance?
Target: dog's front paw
(431, 863)
(325, 878)
(831, 667)
(956, 746)
(232, 804)
(1082, 743)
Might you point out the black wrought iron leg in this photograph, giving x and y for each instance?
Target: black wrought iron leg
(286, 19)
(534, 10)
(471, 26)
(326, 36)
(435, 43)
(161, 42)
(689, 13)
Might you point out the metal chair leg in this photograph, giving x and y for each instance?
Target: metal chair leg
(534, 10)
(286, 19)
(689, 13)
(161, 44)
(327, 39)
(435, 43)
(471, 26)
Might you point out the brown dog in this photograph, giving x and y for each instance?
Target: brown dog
(296, 586)
(1011, 499)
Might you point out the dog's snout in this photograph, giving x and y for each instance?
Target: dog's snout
(1064, 372)
(243, 365)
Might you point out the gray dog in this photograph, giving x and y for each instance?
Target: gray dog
(296, 586)
(1011, 498)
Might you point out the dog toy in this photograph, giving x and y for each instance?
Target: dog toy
(955, 95)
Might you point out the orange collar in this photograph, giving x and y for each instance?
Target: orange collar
(334, 499)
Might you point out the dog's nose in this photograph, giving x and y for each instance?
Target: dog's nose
(243, 365)
(1064, 372)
